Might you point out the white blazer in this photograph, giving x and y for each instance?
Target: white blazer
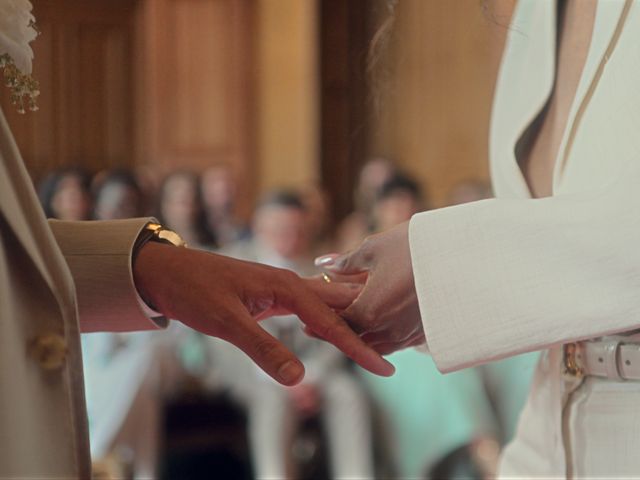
(514, 274)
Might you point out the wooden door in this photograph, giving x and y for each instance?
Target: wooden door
(83, 60)
(160, 83)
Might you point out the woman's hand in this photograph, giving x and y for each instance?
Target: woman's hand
(224, 297)
(386, 312)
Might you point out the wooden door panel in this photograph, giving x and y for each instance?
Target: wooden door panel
(124, 82)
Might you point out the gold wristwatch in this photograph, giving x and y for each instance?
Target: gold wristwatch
(154, 232)
(160, 234)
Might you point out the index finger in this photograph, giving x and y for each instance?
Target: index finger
(264, 349)
(326, 324)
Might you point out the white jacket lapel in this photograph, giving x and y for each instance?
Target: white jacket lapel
(610, 20)
(521, 91)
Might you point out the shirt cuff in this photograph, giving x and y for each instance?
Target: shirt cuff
(147, 310)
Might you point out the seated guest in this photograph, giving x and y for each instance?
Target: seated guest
(507, 381)
(180, 208)
(142, 367)
(395, 202)
(357, 225)
(117, 195)
(282, 238)
(318, 206)
(139, 365)
(64, 194)
(434, 420)
(219, 191)
(470, 190)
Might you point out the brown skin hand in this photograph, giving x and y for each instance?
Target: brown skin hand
(225, 298)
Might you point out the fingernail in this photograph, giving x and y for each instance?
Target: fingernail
(337, 264)
(290, 372)
(325, 261)
(391, 369)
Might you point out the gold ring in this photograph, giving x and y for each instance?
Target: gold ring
(326, 277)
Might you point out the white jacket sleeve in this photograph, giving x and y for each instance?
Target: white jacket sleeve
(504, 276)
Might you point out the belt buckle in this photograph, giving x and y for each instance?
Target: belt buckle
(572, 366)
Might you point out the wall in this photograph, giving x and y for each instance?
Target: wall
(194, 90)
(176, 84)
(286, 92)
(435, 107)
(83, 63)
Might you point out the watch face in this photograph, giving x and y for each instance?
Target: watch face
(170, 237)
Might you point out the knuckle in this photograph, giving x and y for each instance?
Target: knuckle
(290, 277)
(368, 244)
(367, 250)
(265, 348)
(359, 318)
(368, 317)
(322, 330)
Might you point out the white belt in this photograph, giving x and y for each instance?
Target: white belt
(607, 358)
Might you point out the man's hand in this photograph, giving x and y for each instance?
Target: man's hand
(386, 312)
(224, 297)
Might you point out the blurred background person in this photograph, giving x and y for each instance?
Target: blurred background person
(148, 180)
(180, 208)
(395, 202)
(144, 370)
(507, 381)
(358, 224)
(117, 195)
(469, 190)
(437, 423)
(140, 366)
(219, 190)
(282, 238)
(64, 194)
(318, 209)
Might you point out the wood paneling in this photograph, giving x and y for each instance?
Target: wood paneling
(286, 74)
(194, 107)
(83, 63)
(435, 111)
(345, 33)
(166, 83)
(194, 87)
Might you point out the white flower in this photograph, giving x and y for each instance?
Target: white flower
(16, 31)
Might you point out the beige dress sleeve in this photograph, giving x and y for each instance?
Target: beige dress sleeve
(99, 257)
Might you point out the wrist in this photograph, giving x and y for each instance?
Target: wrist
(151, 268)
(146, 273)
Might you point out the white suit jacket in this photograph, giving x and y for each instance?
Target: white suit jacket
(50, 273)
(514, 274)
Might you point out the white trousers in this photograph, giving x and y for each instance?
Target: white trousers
(346, 418)
(603, 434)
(595, 435)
